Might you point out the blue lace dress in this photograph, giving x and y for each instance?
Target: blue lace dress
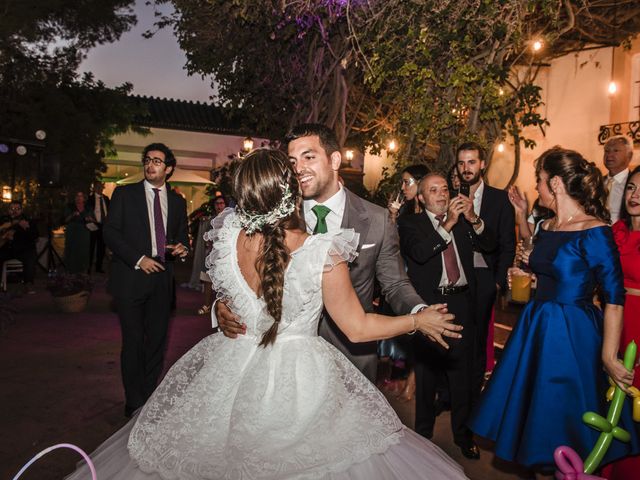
(551, 372)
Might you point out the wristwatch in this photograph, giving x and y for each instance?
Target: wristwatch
(477, 221)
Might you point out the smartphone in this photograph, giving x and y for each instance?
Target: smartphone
(465, 189)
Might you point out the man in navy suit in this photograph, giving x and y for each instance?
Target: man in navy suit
(494, 208)
(146, 227)
(438, 246)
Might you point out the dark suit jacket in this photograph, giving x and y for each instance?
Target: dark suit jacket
(498, 215)
(422, 246)
(91, 204)
(127, 233)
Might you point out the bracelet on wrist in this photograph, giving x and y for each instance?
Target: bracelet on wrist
(415, 328)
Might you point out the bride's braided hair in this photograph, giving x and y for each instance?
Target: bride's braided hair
(258, 186)
(582, 179)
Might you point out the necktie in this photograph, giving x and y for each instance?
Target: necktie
(321, 213)
(161, 236)
(102, 209)
(450, 260)
(609, 184)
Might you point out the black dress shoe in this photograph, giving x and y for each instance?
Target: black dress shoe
(470, 450)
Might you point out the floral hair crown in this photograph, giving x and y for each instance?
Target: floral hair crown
(254, 222)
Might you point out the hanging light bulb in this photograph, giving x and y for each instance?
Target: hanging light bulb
(393, 146)
(501, 147)
(536, 45)
(613, 87)
(349, 155)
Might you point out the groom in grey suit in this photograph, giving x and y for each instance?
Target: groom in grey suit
(328, 206)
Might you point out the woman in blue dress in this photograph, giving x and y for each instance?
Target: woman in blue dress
(551, 371)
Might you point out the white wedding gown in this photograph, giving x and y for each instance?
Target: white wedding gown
(229, 409)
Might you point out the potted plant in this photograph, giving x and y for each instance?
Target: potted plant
(70, 291)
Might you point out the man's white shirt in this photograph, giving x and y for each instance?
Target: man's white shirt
(164, 205)
(444, 279)
(335, 203)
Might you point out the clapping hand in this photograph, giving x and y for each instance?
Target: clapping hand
(518, 200)
(394, 204)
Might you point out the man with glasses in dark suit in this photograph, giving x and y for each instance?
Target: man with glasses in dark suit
(146, 228)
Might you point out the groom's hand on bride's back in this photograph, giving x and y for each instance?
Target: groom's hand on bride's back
(228, 322)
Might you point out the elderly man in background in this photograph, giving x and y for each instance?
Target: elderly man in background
(618, 152)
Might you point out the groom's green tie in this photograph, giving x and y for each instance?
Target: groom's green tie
(321, 212)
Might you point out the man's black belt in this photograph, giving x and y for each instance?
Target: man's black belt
(451, 290)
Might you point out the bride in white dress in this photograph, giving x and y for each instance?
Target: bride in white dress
(279, 402)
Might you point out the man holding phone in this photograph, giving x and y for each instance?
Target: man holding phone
(490, 267)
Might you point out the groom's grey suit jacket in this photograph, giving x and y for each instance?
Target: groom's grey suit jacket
(378, 257)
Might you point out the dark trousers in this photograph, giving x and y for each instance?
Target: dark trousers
(96, 250)
(485, 299)
(432, 360)
(144, 321)
(26, 255)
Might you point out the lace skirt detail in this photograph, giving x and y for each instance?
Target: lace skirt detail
(297, 410)
(231, 409)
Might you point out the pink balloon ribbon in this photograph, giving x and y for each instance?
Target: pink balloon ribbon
(570, 466)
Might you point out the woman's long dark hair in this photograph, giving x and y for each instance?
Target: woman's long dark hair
(624, 213)
(417, 171)
(258, 187)
(582, 179)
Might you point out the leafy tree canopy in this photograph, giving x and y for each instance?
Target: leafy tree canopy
(41, 46)
(429, 73)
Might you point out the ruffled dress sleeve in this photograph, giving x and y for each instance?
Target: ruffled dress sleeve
(342, 247)
(602, 256)
(218, 262)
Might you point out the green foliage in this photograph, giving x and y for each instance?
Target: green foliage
(430, 73)
(282, 64)
(41, 44)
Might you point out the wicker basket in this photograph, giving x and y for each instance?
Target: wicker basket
(72, 303)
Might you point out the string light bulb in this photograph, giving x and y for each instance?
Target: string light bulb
(613, 87)
(537, 45)
(349, 155)
(393, 146)
(501, 147)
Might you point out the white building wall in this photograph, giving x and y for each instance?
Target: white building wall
(197, 151)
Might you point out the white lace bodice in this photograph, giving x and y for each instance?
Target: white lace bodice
(302, 299)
